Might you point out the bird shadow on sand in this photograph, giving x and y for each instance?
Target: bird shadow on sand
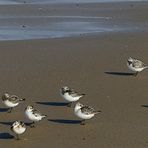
(119, 73)
(9, 123)
(146, 106)
(4, 110)
(53, 103)
(65, 121)
(6, 123)
(6, 136)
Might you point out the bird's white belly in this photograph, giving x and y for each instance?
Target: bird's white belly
(10, 104)
(32, 117)
(19, 130)
(69, 98)
(81, 115)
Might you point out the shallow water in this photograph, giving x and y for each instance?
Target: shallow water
(59, 1)
(14, 28)
(56, 30)
(19, 26)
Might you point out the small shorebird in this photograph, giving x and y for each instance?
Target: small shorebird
(84, 112)
(33, 115)
(18, 127)
(11, 101)
(136, 65)
(70, 95)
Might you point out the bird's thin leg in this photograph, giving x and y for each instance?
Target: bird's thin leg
(17, 137)
(83, 122)
(135, 74)
(69, 104)
(9, 111)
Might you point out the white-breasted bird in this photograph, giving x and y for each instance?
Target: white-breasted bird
(18, 127)
(70, 95)
(136, 65)
(84, 112)
(33, 115)
(11, 101)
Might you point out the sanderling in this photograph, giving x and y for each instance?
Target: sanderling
(136, 65)
(33, 115)
(84, 112)
(70, 95)
(11, 100)
(18, 127)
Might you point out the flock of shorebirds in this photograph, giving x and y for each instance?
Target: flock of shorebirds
(84, 112)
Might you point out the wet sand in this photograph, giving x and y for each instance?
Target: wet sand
(91, 64)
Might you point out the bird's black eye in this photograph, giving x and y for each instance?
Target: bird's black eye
(129, 62)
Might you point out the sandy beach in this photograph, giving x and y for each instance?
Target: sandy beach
(91, 63)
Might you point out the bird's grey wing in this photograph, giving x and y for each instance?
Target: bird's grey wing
(87, 110)
(138, 64)
(36, 112)
(73, 93)
(14, 99)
